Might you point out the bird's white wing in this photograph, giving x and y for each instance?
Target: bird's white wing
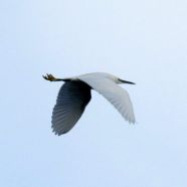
(116, 95)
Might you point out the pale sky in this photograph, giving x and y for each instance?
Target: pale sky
(141, 41)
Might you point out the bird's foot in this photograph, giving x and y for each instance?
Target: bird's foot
(49, 77)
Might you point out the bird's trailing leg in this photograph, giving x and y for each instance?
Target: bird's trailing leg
(50, 77)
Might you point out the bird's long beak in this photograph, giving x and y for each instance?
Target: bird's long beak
(125, 82)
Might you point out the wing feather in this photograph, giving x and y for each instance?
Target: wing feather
(116, 95)
(70, 105)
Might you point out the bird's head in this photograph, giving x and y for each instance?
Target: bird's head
(118, 80)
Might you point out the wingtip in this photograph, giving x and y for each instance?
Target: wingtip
(57, 132)
(132, 122)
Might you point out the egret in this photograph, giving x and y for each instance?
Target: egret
(75, 94)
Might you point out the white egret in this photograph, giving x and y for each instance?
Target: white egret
(75, 94)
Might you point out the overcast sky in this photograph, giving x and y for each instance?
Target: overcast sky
(140, 41)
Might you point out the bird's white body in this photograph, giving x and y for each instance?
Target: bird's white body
(75, 95)
(97, 76)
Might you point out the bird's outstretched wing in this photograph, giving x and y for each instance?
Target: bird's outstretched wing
(116, 95)
(71, 102)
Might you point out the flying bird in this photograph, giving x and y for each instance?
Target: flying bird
(75, 94)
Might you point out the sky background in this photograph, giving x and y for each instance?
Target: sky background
(140, 41)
